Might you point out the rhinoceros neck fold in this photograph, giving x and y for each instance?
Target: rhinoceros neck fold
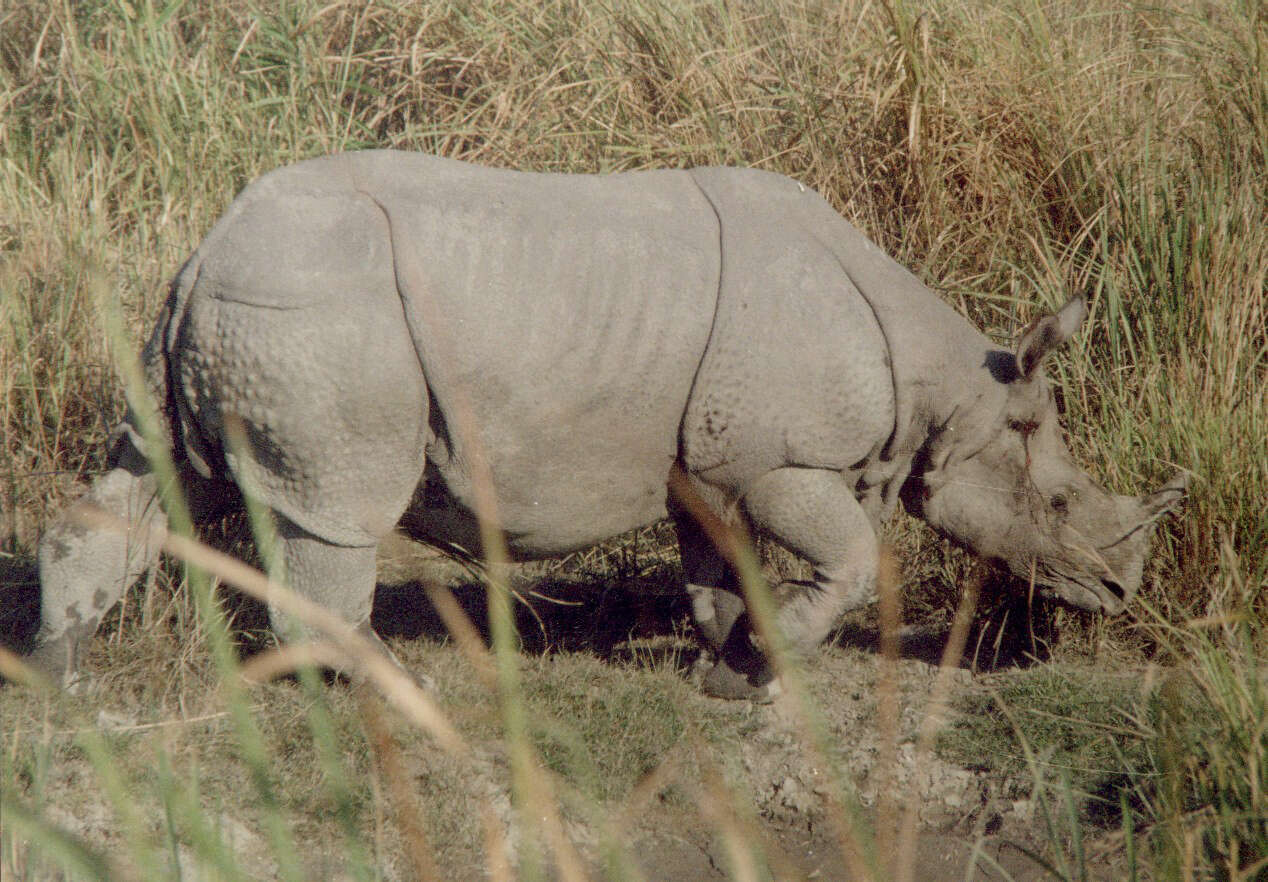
(936, 356)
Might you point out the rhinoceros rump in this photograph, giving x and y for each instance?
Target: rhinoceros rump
(351, 315)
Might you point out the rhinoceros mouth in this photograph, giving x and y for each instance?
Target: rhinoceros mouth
(1081, 591)
(1104, 594)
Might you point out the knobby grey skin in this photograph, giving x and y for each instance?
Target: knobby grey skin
(375, 323)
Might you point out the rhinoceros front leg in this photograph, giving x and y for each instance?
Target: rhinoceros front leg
(86, 562)
(814, 514)
(711, 584)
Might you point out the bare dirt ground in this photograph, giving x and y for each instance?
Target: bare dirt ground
(958, 809)
(803, 854)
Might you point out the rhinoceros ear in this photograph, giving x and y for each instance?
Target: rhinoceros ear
(1047, 333)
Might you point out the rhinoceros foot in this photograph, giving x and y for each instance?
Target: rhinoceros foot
(57, 660)
(741, 671)
(422, 681)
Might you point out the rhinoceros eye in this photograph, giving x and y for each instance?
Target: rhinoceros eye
(1059, 503)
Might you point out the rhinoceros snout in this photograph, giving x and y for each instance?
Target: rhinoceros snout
(1122, 561)
(1168, 496)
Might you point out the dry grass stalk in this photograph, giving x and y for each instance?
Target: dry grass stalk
(391, 766)
(888, 583)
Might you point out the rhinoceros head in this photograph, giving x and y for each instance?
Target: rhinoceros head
(998, 478)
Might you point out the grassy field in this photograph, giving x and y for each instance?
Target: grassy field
(1010, 152)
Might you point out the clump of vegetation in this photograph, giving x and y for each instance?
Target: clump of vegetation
(598, 737)
(1205, 785)
(1071, 723)
(1177, 756)
(1010, 153)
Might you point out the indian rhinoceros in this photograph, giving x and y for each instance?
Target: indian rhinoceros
(377, 323)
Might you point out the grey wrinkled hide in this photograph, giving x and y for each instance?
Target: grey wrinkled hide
(376, 323)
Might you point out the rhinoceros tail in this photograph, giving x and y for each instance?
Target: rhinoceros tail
(163, 418)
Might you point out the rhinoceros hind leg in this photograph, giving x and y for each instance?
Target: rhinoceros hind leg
(814, 514)
(57, 658)
(339, 578)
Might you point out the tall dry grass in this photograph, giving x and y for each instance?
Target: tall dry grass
(1010, 152)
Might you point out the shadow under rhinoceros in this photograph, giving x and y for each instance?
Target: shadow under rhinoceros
(617, 616)
(19, 601)
(558, 614)
(648, 616)
(1011, 628)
